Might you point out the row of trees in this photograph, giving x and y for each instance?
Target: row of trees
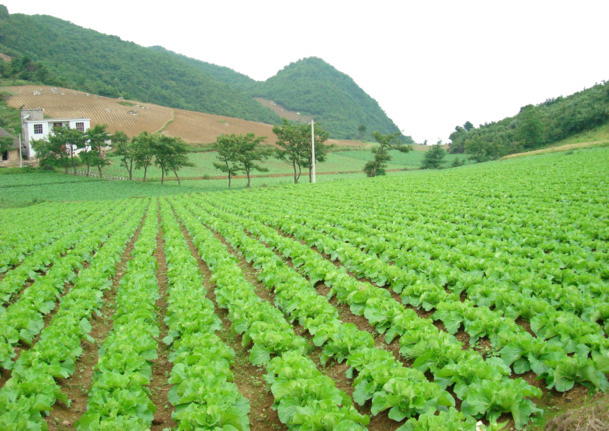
(243, 153)
(235, 153)
(67, 148)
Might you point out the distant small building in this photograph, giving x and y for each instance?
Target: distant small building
(35, 127)
(11, 156)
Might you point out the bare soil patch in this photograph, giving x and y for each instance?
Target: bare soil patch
(161, 367)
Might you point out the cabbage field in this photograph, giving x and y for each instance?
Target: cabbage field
(463, 299)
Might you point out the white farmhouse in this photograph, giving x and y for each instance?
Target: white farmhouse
(35, 127)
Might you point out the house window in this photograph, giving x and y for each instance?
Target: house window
(38, 129)
(80, 126)
(5, 155)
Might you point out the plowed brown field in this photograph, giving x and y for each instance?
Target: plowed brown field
(134, 117)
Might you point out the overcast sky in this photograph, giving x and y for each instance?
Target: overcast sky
(431, 65)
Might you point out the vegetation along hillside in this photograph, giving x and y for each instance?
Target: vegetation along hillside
(90, 61)
(535, 126)
(48, 50)
(313, 87)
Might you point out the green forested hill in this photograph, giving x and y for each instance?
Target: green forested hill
(222, 73)
(101, 64)
(535, 126)
(49, 50)
(313, 87)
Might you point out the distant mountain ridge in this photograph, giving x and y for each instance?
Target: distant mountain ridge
(90, 61)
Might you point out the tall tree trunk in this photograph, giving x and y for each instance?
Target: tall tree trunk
(145, 170)
(130, 170)
(295, 177)
(99, 168)
(229, 177)
(247, 172)
(162, 175)
(176, 173)
(73, 164)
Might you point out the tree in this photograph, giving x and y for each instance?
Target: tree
(52, 151)
(249, 153)
(96, 139)
(530, 130)
(480, 150)
(143, 151)
(170, 155)
(6, 143)
(361, 131)
(434, 157)
(59, 147)
(290, 140)
(295, 149)
(227, 150)
(73, 139)
(381, 153)
(125, 149)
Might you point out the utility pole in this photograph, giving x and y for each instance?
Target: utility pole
(313, 179)
(20, 158)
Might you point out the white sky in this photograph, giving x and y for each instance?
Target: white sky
(431, 65)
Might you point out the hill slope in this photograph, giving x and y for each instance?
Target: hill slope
(313, 87)
(96, 63)
(535, 126)
(93, 62)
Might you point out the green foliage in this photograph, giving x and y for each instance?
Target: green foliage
(10, 118)
(96, 137)
(249, 153)
(47, 47)
(143, 151)
(55, 52)
(6, 143)
(23, 68)
(170, 155)
(434, 157)
(125, 149)
(227, 154)
(535, 126)
(295, 149)
(313, 87)
(240, 153)
(381, 154)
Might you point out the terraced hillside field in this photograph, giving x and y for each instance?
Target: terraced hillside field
(133, 117)
(434, 300)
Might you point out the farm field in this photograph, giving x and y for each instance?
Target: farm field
(420, 301)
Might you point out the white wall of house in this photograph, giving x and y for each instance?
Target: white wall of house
(41, 128)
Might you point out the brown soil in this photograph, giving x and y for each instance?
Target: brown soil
(76, 387)
(161, 367)
(134, 117)
(592, 415)
(248, 378)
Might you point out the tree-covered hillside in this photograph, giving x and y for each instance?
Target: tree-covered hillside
(313, 87)
(221, 73)
(535, 126)
(90, 61)
(51, 51)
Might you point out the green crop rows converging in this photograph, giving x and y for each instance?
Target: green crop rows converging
(476, 290)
